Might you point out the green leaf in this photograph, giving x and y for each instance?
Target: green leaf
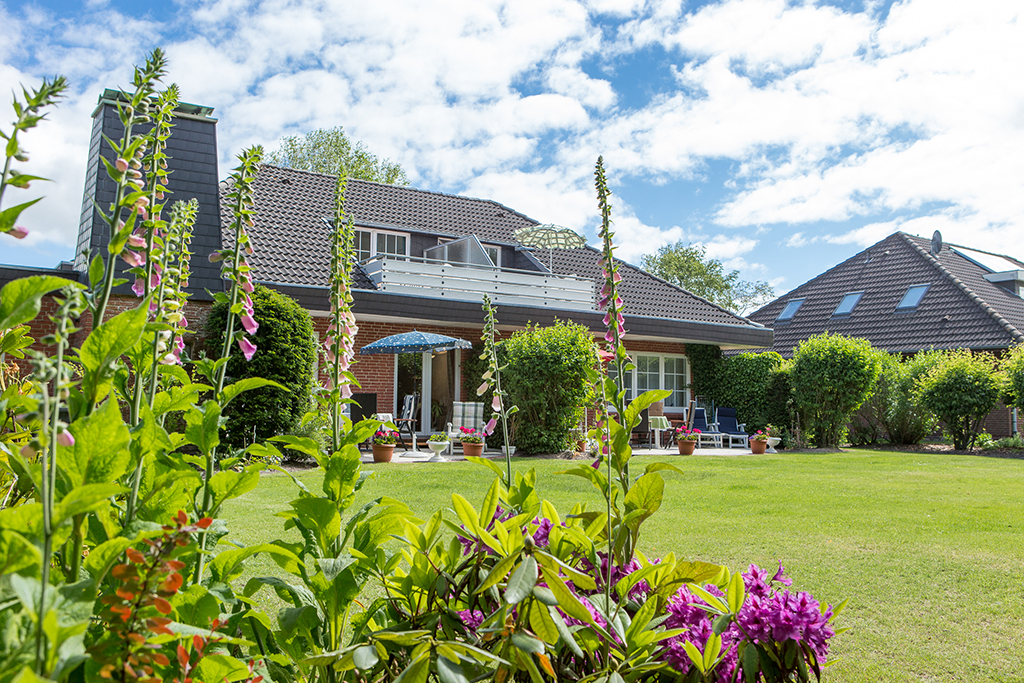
(543, 624)
(491, 498)
(564, 632)
(102, 557)
(321, 517)
(100, 452)
(233, 390)
(646, 494)
(20, 299)
(104, 345)
(178, 398)
(202, 427)
(450, 672)
(18, 554)
(227, 484)
(365, 657)
(522, 581)
(416, 672)
(217, 667)
(9, 215)
(569, 603)
(736, 593)
(84, 499)
(195, 606)
(498, 572)
(96, 271)
(527, 643)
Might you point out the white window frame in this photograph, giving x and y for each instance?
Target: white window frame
(486, 247)
(632, 391)
(373, 239)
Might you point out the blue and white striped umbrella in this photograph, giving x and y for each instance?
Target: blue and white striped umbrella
(415, 342)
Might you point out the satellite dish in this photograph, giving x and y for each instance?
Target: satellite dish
(936, 242)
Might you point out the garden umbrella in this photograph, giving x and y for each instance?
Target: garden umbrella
(550, 237)
(415, 342)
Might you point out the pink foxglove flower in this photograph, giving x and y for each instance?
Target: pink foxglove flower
(18, 232)
(250, 324)
(247, 285)
(248, 348)
(489, 427)
(216, 256)
(481, 389)
(139, 287)
(133, 258)
(496, 403)
(122, 165)
(136, 240)
(65, 438)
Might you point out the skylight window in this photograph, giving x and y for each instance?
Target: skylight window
(790, 310)
(913, 296)
(849, 301)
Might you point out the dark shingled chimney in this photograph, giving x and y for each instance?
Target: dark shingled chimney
(192, 149)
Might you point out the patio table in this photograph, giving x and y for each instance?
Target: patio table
(658, 424)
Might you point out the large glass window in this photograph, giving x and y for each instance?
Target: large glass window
(675, 381)
(648, 373)
(363, 244)
(658, 372)
(388, 243)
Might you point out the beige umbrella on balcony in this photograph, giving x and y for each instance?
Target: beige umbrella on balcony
(550, 237)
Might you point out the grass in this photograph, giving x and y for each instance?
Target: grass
(929, 548)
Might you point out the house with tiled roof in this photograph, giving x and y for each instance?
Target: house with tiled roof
(906, 294)
(425, 261)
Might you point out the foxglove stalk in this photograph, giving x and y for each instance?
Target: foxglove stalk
(339, 347)
(492, 381)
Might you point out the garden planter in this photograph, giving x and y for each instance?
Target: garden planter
(438, 447)
(383, 452)
(581, 446)
(773, 441)
(686, 447)
(758, 447)
(472, 449)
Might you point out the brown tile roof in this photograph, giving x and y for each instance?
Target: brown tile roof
(291, 237)
(960, 309)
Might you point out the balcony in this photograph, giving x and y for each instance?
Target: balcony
(468, 282)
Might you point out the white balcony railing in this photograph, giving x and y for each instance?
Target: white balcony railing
(466, 282)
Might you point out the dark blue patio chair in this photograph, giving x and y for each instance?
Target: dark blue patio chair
(708, 432)
(735, 431)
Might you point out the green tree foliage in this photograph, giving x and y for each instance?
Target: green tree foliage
(704, 364)
(832, 376)
(546, 377)
(893, 412)
(330, 151)
(961, 389)
(1013, 366)
(689, 267)
(286, 352)
(744, 382)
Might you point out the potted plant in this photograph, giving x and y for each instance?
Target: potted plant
(384, 445)
(438, 443)
(472, 441)
(686, 439)
(774, 437)
(758, 442)
(577, 439)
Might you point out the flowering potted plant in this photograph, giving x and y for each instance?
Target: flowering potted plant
(384, 445)
(438, 443)
(686, 439)
(774, 437)
(758, 442)
(472, 441)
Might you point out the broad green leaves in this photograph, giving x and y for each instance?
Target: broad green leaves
(100, 452)
(104, 345)
(20, 300)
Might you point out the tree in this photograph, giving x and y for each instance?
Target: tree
(331, 152)
(286, 351)
(690, 268)
(961, 389)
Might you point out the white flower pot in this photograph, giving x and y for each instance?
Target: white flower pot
(438, 447)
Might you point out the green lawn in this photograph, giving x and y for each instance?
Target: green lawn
(928, 548)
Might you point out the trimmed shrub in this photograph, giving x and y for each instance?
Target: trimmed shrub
(286, 351)
(545, 375)
(1013, 366)
(832, 376)
(705, 361)
(744, 382)
(961, 389)
(907, 421)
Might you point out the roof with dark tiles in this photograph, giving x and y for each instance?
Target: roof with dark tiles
(292, 248)
(961, 309)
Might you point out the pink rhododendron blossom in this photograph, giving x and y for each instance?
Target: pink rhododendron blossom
(248, 348)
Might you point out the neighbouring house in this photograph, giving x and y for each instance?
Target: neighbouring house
(906, 294)
(426, 260)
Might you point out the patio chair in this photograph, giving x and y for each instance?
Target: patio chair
(643, 430)
(464, 414)
(735, 431)
(407, 422)
(708, 432)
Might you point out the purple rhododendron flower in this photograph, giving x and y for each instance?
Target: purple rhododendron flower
(540, 536)
(472, 618)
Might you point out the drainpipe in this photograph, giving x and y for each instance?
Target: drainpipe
(1013, 422)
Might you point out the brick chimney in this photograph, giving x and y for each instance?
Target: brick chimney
(192, 149)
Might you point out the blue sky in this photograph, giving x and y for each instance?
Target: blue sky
(784, 136)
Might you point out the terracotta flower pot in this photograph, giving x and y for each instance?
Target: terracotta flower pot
(383, 452)
(758, 447)
(686, 447)
(472, 449)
